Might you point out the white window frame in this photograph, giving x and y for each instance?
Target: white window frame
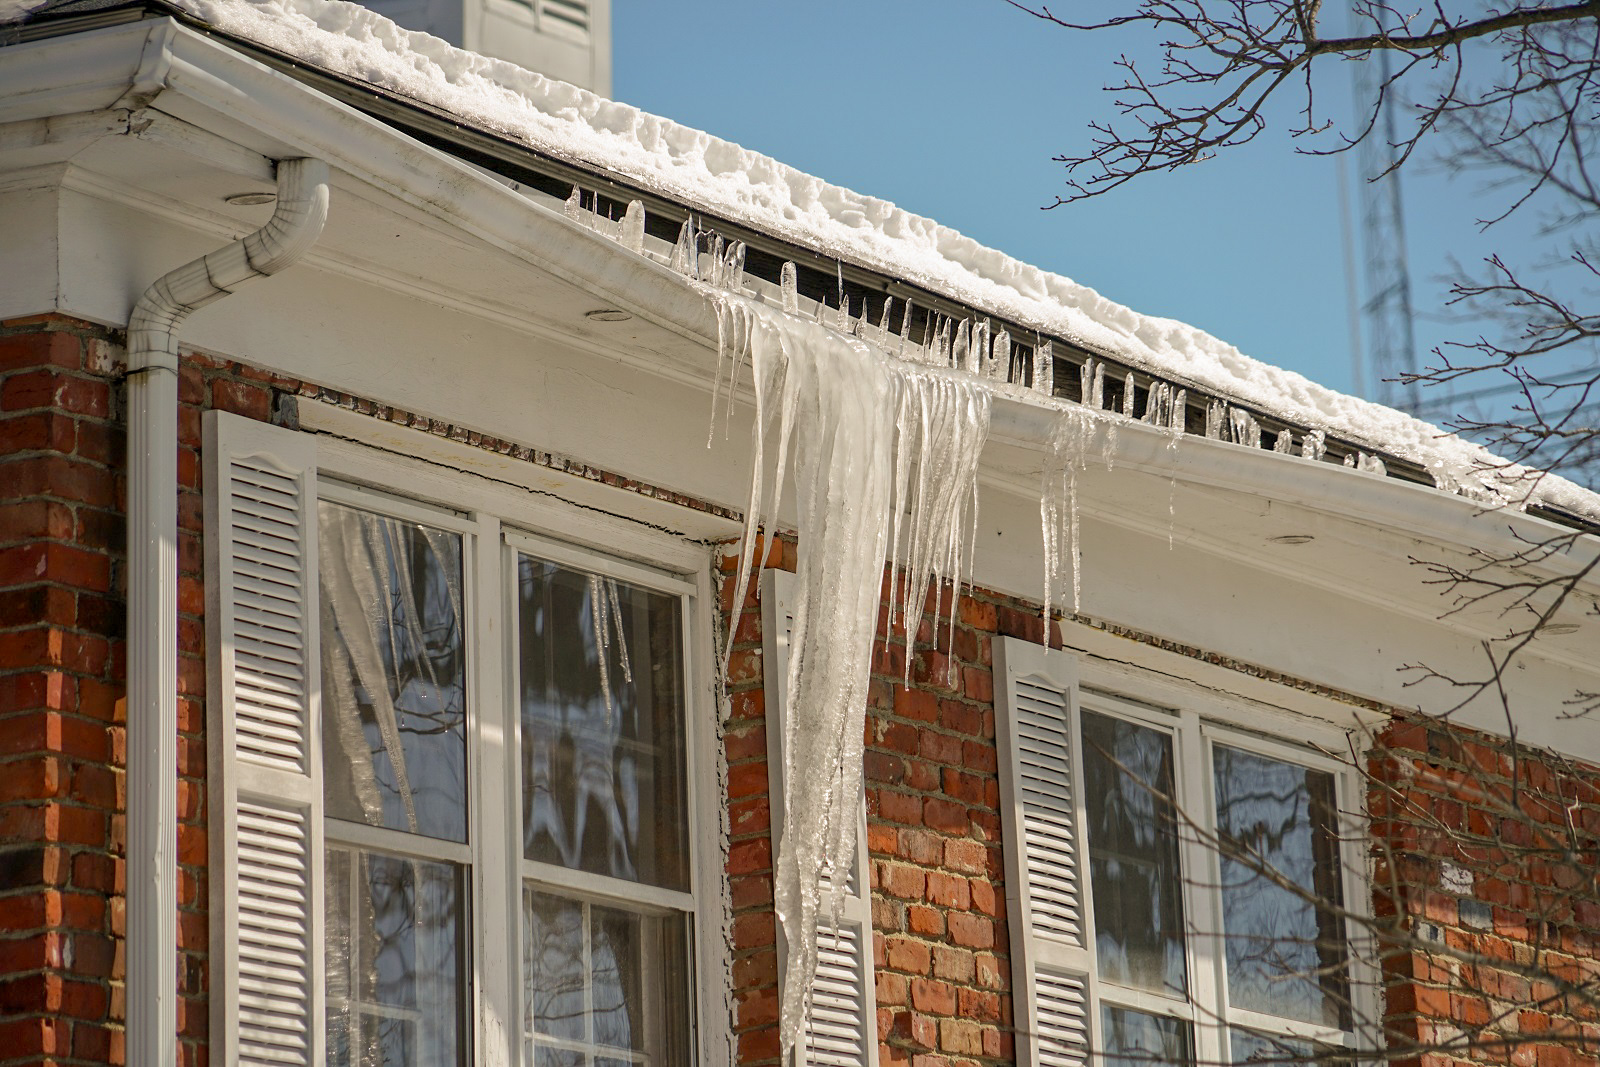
(490, 512)
(1197, 717)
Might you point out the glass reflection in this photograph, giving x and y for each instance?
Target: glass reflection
(1277, 824)
(603, 984)
(1135, 1039)
(394, 961)
(1247, 1046)
(393, 673)
(602, 725)
(1133, 853)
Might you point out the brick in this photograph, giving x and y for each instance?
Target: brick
(241, 398)
(933, 997)
(960, 1037)
(954, 964)
(51, 348)
(904, 954)
(945, 816)
(747, 779)
(948, 891)
(902, 881)
(972, 931)
(898, 807)
(925, 921)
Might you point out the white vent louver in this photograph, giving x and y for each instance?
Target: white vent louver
(269, 616)
(274, 906)
(573, 13)
(1044, 764)
(1063, 1023)
(836, 1036)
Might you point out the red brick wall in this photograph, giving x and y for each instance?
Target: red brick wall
(1488, 861)
(61, 733)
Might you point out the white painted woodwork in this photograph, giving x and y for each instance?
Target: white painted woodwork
(264, 737)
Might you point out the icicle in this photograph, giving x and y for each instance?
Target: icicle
(1351, 459)
(733, 267)
(1243, 428)
(870, 437)
(905, 328)
(942, 356)
(574, 208)
(1177, 418)
(1314, 444)
(1044, 368)
(978, 358)
(717, 266)
(632, 233)
(1000, 360)
(962, 355)
(1086, 380)
(1216, 420)
(883, 323)
(1097, 391)
(1058, 508)
(683, 253)
(1284, 443)
(1128, 394)
(789, 286)
(1373, 464)
(1158, 404)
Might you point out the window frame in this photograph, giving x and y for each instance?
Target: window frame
(1198, 715)
(493, 515)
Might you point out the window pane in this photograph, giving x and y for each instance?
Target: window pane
(394, 692)
(1134, 1039)
(1277, 824)
(602, 725)
(1133, 854)
(395, 961)
(603, 983)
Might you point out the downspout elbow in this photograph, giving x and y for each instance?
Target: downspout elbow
(294, 227)
(152, 937)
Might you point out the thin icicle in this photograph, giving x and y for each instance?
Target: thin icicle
(1177, 418)
(1000, 360)
(1044, 368)
(683, 253)
(574, 206)
(1086, 380)
(1314, 445)
(1216, 419)
(789, 286)
(1128, 396)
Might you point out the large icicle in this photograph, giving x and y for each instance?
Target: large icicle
(868, 435)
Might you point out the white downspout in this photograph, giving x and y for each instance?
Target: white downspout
(152, 788)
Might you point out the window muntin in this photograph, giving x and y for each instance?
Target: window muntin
(607, 913)
(394, 697)
(1277, 823)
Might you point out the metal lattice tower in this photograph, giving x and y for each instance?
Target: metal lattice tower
(1386, 308)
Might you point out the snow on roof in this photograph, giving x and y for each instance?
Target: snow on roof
(721, 178)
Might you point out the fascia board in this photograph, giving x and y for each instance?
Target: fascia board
(1419, 511)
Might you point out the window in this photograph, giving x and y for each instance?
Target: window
(1160, 858)
(487, 851)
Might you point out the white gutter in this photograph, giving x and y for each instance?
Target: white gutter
(152, 928)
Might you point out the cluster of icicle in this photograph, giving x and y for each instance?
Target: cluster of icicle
(883, 457)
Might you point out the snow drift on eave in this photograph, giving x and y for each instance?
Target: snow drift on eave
(703, 172)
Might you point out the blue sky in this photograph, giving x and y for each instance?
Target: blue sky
(953, 108)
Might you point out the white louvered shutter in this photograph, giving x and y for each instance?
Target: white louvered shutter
(843, 1030)
(1046, 892)
(263, 730)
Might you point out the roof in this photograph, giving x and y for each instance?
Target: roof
(703, 173)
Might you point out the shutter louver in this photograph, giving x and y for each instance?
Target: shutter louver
(843, 1027)
(1036, 726)
(265, 773)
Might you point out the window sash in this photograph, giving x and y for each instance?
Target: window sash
(584, 885)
